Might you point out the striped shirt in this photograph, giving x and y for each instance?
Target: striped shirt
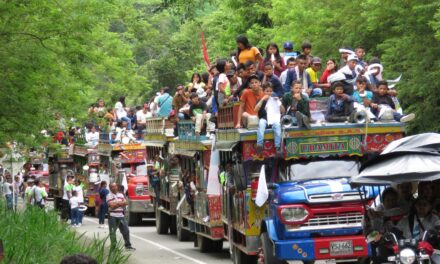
(118, 211)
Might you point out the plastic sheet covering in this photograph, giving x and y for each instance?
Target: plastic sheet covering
(327, 169)
(399, 169)
(427, 142)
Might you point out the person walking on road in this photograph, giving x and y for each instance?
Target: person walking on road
(67, 194)
(103, 207)
(117, 202)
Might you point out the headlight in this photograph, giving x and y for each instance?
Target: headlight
(407, 256)
(294, 214)
(139, 190)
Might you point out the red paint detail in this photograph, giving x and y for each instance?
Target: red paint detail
(250, 149)
(324, 242)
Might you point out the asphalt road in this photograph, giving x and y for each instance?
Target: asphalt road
(152, 248)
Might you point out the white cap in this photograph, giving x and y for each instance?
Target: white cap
(352, 57)
(345, 50)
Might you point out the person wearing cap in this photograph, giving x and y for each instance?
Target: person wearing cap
(180, 99)
(313, 70)
(345, 52)
(349, 71)
(299, 73)
(374, 76)
(164, 103)
(288, 51)
(248, 100)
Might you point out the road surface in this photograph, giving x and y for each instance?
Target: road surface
(152, 248)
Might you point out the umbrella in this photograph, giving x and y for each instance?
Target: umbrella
(414, 158)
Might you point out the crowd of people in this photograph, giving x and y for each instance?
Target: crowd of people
(30, 189)
(269, 84)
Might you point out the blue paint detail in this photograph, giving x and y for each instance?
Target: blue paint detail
(284, 249)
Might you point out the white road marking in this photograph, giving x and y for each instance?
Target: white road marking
(159, 246)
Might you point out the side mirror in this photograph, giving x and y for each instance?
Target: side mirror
(273, 186)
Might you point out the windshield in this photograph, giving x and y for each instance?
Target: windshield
(326, 169)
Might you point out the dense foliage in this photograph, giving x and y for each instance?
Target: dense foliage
(60, 56)
(27, 235)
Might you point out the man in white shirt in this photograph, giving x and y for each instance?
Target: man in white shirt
(79, 188)
(141, 118)
(116, 205)
(92, 136)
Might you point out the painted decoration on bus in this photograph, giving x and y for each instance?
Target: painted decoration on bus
(250, 150)
(323, 146)
(377, 142)
(133, 156)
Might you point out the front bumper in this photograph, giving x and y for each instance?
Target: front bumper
(140, 206)
(319, 248)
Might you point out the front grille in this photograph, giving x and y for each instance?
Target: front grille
(348, 219)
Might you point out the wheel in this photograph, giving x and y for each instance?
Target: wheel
(205, 244)
(162, 222)
(239, 257)
(182, 233)
(268, 253)
(132, 218)
(217, 245)
(173, 225)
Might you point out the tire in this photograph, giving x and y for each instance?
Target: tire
(182, 234)
(162, 222)
(268, 253)
(132, 218)
(205, 244)
(239, 257)
(217, 245)
(173, 225)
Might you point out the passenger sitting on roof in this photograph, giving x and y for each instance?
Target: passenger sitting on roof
(92, 136)
(270, 77)
(296, 104)
(362, 98)
(269, 112)
(123, 135)
(382, 101)
(248, 101)
(299, 73)
(419, 220)
(340, 105)
(198, 112)
(349, 71)
(120, 113)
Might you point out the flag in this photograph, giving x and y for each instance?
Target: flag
(124, 182)
(205, 50)
(262, 191)
(214, 187)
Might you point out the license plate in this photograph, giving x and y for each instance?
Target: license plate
(340, 248)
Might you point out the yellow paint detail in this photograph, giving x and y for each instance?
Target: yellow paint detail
(295, 247)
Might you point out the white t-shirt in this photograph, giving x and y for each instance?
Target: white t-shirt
(283, 77)
(74, 202)
(7, 188)
(141, 117)
(92, 137)
(79, 192)
(120, 111)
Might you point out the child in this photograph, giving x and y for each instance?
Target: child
(361, 95)
(74, 209)
(340, 105)
(382, 100)
(269, 116)
(297, 105)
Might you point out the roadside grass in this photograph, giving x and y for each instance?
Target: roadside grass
(34, 236)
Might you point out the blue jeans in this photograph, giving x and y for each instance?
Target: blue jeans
(74, 216)
(276, 127)
(9, 200)
(128, 120)
(102, 211)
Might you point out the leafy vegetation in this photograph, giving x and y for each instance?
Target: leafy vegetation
(34, 236)
(60, 56)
